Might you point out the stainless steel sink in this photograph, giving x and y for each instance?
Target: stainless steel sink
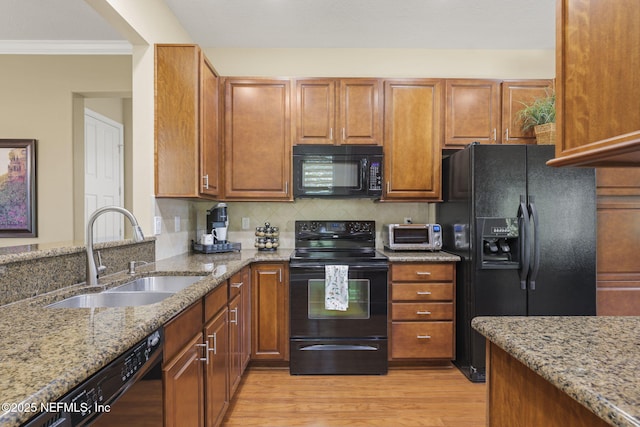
(111, 299)
(171, 284)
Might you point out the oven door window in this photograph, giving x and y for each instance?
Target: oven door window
(359, 300)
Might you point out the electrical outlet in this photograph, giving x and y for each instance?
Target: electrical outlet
(407, 220)
(245, 223)
(176, 223)
(157, 225)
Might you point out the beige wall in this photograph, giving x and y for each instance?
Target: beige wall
(495, 64)
(37, 102)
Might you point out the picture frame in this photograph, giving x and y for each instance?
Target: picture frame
(18, 188)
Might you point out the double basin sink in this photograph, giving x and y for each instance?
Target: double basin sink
(141, 291)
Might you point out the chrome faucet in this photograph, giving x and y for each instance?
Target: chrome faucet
(92, 270)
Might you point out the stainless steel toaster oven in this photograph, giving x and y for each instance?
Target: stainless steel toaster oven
(412, 237)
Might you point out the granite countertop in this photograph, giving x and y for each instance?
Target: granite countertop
(595, 360)
(46, 352)
(420, 256)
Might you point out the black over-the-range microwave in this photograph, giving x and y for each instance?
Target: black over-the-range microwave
(337, 171)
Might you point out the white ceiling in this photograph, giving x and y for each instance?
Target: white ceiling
(429, 24)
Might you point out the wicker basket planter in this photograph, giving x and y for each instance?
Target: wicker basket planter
(545, 134)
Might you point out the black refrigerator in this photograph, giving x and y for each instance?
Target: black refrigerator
(526, 234)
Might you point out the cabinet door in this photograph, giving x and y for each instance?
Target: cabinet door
(184, 387)
(360, 112)
(235, 345)
(217, 369)
(315, 111)
(412, 129)
(270, 317)
(210, 159)
(598, 119)
(245, 318)
(515, 95)
(257, 139)
(472, 112)
(176, 120)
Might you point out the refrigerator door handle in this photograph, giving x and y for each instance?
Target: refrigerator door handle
(536, 245)
(525, 251)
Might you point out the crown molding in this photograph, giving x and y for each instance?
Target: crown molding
(65, 47)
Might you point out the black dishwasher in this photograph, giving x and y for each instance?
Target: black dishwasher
(95, 399)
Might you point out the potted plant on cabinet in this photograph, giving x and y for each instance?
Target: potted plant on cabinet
(541, 116)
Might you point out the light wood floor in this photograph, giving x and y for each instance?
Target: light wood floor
(404, 397)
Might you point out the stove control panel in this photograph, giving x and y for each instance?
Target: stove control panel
(334, 229)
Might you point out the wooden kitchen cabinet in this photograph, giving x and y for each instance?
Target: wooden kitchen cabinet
(412, 135)
(257, 139)
(597, 91)
(183, 369)
(187, 161)
(515, 94)
(239, 326)
(486, 111)
(196, 371)
(270, 313)
(422, 311)
(217, 368)
(338, 111)
(472, 112)
(618, 271)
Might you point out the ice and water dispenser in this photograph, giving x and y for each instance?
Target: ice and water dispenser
(500, 243)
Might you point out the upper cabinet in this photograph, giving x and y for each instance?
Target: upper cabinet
(486, 111)
(338, 111)
(257, 139)
(472, 112)
(598, 86)
(186, 123)
(515, 95)
(412, 135)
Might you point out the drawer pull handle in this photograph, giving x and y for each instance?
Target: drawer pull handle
(423, 312)
(424, 337)
(423, 293)
(237, 285)
(214, 337)
(423, 273)
(206, 353)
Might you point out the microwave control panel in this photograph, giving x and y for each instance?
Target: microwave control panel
(375, 176)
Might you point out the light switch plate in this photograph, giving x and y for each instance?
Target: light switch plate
(245, 223)
(176, 223)
(157, 225)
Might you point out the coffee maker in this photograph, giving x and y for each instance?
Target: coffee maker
(218, 222)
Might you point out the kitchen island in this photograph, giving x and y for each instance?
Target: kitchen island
(562, 371)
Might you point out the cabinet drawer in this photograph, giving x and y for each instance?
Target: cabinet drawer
(214, 301)
(422, 311)
(422, 272)
(236, 283)
(422, 340)
(422, 291)
(179, 330)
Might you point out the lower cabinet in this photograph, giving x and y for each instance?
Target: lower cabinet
(196, 368)
(270, 313)
(422, 311)
(183, 369)
(239, 326)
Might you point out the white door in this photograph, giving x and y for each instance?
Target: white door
(103, 174)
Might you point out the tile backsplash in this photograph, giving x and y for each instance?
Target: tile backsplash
(284, 215)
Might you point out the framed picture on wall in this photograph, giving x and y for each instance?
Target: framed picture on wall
(18, 188)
